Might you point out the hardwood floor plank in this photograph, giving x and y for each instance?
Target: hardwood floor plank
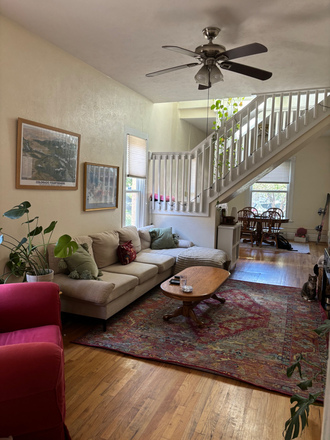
(111, 396)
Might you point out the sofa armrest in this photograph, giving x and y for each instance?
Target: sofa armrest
(185, 243)
(27, 305)
(32, 387)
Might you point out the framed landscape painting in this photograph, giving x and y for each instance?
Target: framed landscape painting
(47, 157)
(100, 187)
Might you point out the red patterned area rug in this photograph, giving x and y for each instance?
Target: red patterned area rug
(252, 337)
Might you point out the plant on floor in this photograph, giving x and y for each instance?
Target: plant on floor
(25, 256)
(300, 412)
(225, 109)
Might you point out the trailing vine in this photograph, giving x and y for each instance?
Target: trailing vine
(225, 109)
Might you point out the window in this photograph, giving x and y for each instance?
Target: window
(274, 190)
(135, 179)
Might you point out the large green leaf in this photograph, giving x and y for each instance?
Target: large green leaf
(65, 247)
(324, 328)
(305, 385)
(24, 240)
(290, 370)
(18, 211)
(299, 415)
(50, 227)
(30, 221)
(36, 231)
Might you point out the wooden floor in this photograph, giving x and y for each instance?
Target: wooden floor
(112, 396)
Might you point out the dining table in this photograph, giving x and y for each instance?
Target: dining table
(258, 219)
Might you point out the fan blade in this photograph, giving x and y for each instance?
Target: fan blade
(246, 70)
(243, 51)
(171, 69)
(181, 50)
(201, 87)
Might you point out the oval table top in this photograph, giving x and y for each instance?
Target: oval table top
(204, 280)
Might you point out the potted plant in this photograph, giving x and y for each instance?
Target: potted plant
(26, 258)
(300, 411)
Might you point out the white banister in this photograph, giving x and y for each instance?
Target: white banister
(177, 206)
(298, 113)
(201, 198)
(165, 178)
(189, 184)
(171, 180)
(267, 124)
(210, 170)
(159, 174)
(153, 182)
(263, 127)
(280, 121)
(183, 159)
(196, 179)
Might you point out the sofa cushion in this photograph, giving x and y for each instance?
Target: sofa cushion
(93, 291)
(126, 253)
(82, 261)
(162, 238)
(46, 333)
(184, 243)
(174, 252)
(105, 246)
(53, 261)
(123, 283)
(145, 236)
(140, 270)
(130, 233)
(163, 262)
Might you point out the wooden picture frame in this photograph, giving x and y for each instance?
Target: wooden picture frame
(47, 157)
(100, 186)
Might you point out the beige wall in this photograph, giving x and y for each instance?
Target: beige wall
(311, 185)
(42, 83)
(176, 134)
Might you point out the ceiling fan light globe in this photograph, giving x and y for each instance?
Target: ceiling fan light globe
(215, 75)
(202, 76)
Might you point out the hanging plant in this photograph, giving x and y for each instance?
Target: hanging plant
(225, 109)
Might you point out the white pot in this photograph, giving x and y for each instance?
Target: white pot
(35, 278)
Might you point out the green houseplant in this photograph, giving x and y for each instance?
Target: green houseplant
(300, 411)
(224, 110)
(25, 256)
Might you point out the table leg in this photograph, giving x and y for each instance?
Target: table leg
(222, 300)
(187, 310)
(177, 312)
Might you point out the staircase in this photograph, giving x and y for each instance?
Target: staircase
(270, 129)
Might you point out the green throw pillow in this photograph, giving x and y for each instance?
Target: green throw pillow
(81, 264)
(162, 238)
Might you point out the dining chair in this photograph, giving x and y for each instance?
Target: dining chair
(248, 228)
(278, 210)
(254, 210)
(270, 227)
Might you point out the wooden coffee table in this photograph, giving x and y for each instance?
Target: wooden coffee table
(205, 280)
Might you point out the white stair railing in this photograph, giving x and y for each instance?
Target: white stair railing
(186, 182)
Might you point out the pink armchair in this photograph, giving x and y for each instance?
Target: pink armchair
(32, 396)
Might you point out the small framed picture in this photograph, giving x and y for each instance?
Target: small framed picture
(47, 157)
(100, 187)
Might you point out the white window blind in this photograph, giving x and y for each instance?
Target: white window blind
(281, 174)
(136, 157)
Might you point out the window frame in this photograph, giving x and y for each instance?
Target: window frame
(143, 216)
(289, 192)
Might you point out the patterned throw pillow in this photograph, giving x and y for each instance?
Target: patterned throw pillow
(126, 252)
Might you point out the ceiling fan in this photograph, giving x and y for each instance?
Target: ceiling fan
(213, 55)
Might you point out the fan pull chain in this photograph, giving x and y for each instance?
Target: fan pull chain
(207, 113)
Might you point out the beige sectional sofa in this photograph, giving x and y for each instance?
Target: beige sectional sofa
(120, 284)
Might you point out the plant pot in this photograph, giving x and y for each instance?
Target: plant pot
(35, 278)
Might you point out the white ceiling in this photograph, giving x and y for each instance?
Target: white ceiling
(124, 39)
